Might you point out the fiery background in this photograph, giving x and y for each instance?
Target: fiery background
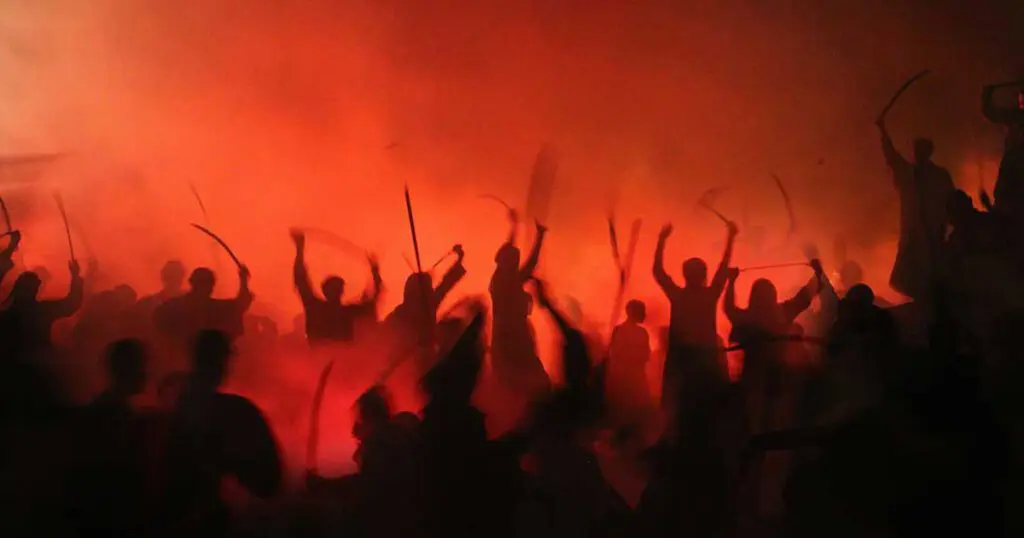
(316, 113)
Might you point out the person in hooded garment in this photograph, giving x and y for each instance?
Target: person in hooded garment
(180, 318)
(414, 322)
(1008, 197)
(693, 358)
(923, 188)
(107, 489)
(513, 349)
(213, 436)
(629, 395)
(763, 329)
(328, 319)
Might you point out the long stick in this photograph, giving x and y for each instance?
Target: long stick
(428, 309)
(775, 266)
(67, 227)
(412, 228)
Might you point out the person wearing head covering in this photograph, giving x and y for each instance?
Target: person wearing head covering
(763, 329)
(1008, 196)
(513, 349)
(923, 188)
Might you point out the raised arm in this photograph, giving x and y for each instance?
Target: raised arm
(451, 277)
(892, 157)
(300, 273)
(7, 254)
(802, 300)
(62, 308)
(722, 273)
(531, 261)
(244, 297)
(660, 276)
(729, 306)
(378, 282)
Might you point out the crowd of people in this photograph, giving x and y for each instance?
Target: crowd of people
(843, 421)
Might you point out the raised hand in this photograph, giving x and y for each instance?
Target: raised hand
(733, 228)
(733, 273)
(298, 237)
(243, 272)
(541, 229)
(666, 231)
(457, 249)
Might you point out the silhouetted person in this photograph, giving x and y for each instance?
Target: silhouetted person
(26, 321)
(215, 435)
(629, 395)
(923, 189)
(764, 330)
(692, 362)
(414, 321)
(172, 284)
(181, 318)
(513, 349)
(1009, 188)
(107, 491)
(328, 319)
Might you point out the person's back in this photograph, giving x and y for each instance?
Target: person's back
(216, 435)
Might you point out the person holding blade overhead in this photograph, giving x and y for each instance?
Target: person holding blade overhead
(923, 188)
(513, 349)
(182, 318)
(414, 321)
(328, 319)
(693, 355)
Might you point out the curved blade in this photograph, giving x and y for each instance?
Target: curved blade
(220, 242)
(313, 442)
(788, 202)
(900, 91)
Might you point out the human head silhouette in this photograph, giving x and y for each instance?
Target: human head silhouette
(202, 281)
(210, 355)
(172, 276)
(333, 288)
(924, 148)
(695, 272)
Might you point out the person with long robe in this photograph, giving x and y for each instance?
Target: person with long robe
(1008, 196)
(413, 323)
(513, 349)
(764, 331)
(923, 188)
(692, 364)
(328, 319)
(628, 392)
